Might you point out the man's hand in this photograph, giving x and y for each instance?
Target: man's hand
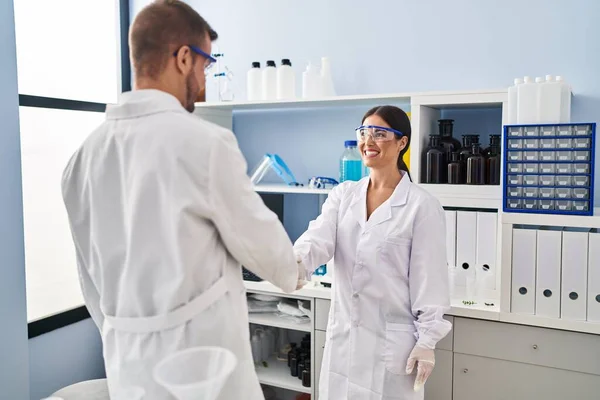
(424, 359)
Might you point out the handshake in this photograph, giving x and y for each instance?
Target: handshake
(302, 274)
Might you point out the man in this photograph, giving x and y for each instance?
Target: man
(163, 213)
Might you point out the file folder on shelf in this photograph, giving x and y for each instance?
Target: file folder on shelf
(548, 276)
(523, 271)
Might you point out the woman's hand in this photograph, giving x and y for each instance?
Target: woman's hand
(301, 274)
(424, 359)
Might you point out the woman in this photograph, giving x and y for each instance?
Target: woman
(390, 284)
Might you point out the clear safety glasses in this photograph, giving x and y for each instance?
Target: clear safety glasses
(377, 133)
(210, 60)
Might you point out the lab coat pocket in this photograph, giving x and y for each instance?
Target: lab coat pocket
(399, 342)
(394, 255)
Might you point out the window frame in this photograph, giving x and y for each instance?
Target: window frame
(72, 316)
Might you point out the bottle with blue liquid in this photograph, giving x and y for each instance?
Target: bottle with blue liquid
(351, 166)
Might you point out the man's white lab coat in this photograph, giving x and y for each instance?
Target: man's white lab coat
(163, 214)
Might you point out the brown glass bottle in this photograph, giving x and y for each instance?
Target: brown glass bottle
(455, 170)
(450, 144)
(435, 161)
(492, 166)
(494, 141)
(476, 166)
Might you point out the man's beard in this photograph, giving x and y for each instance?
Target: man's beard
(193, 90)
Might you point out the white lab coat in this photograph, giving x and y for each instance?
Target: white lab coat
(162, 214)
(390, 288)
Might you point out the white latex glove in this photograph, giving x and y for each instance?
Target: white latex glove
(424, 359)
(302, 275)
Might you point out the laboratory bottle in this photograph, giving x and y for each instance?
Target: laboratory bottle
(465, 152)
(286, 81)
(351, 167)
(255, 344)
(306, 374)
(476, 166)
(455, 170)
(450, 144)
(311, 82)
(527, 98)
(565, 101)
(492, 166)
(495, 140)
(326, 80)
(301, 364)
(513, 102)
(269, 81)
(549, 101)
(294, 365)
(290, 353)
(435, 161)
(254, 82)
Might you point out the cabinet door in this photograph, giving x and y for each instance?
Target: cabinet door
(439, 384)
(477, 378)
(319, 347)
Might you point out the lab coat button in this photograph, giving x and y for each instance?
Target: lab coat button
(355, 295)
(355, 324)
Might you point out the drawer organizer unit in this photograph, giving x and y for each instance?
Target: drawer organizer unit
(549, 168)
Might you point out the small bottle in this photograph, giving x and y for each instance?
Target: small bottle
(565, 101)
(492, 166)
(495, 140)
(455, 170)
(286, 81)
(351, 167)
(301, 364)
(512, 102)
(290, 353)
(326, 81)
(446, 127)
(255, 344)
(527, 96)
(465, 152)
(254, 82)
(435, 165)
(476, 166)
(311, 83)
(269, 81)
(294, 364)
(306, 374)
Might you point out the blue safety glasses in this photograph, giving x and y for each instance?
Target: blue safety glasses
(211, 60)
(377, 133)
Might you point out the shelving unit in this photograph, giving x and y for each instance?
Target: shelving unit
(268, 319)
(281, 188)
(277, 374)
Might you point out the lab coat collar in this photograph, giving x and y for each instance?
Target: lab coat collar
(398, 198)
(138, 103)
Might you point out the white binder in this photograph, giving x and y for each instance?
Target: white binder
(486, 248)
(547, 288)
(573, 301)
(593, 305)
(523, 271)
(466, 245)
(451, 238)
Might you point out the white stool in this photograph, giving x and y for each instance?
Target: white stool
(87, 390)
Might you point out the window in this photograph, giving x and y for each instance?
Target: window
(72, 60)
(68, 49)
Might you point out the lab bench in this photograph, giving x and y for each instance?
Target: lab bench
(487, 354)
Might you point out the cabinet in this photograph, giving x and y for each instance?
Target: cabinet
(477, 378)
(439, 384)
(319, 348)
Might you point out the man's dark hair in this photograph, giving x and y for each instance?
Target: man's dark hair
(159, 30)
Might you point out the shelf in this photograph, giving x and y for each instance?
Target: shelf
(473, 96)
(466, 196)
(552, 323)
(571, 221)
(269, 319)
(277, 374)
(282, 188)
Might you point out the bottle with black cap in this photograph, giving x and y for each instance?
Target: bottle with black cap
(269, 81)
(254, 82)
(286, 81)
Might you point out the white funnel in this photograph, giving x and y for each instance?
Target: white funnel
(197, 373)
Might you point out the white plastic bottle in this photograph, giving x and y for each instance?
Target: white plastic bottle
(286, 81)
(565, 101)
(513, 103)
(254, 82)
(549, 101)
(269, 81)
(327, 88)
(311, 83)
(527, 95)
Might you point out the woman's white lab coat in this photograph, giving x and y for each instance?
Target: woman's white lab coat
(390, 288)
(162, 214)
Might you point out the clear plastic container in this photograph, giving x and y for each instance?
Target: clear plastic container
(581, 205)
(513, 191)
(564, 168)
(547, 168)
(531, 131)
(564, 180)
(197, 373)
(563, 193)
(530, 155)
(547, 193)
(581, 168)
(531, 168)
(580, 193)
(582, 143)
(546, 204)
(254, 82)
(351, 167)
(581, 155)
(515, 155)
(581, 181)
(549, 143)
(564, 155)
(531, 144)
(515, 168)
(547, 180)
(564, 130)
(515, 179)
(530, 180)
(564, 205)
(515, 143)
(582, 130)
(514, 204)
(547, 131)
(531, 192)
(530, 204)
(564, 143)
(515, 131)
(272, 162)
(547, 156)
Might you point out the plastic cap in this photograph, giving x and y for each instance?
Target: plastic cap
(255, 64)
(518, 81)
(549, 78)
(286, 61)
(527, 79)
(270, 63)
(539, 79)
(350, 143)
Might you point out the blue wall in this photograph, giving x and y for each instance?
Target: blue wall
(63, 357)
(13, 328)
